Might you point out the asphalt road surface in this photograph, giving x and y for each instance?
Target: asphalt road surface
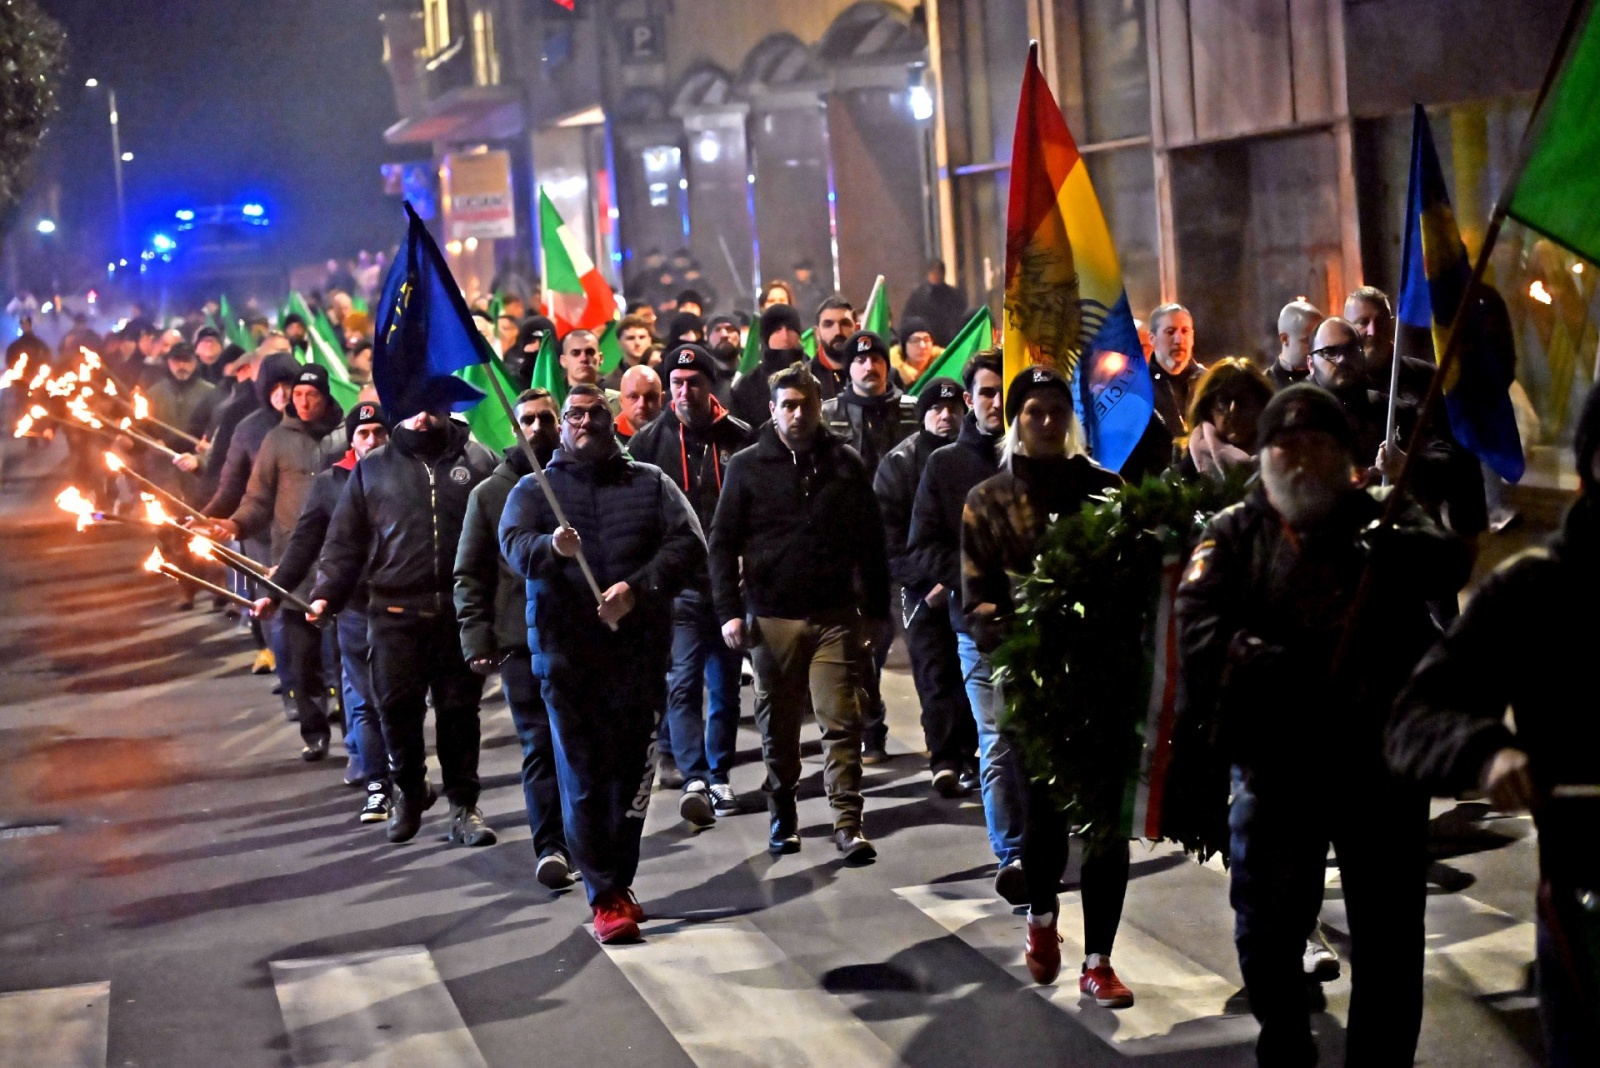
(177, 888)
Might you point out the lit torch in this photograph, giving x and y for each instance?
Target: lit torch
(1539, 293)
(120, 466)
(72, 502)
(204, 547)
(141, 412)
(25, 424)
(157, 565)
(14, 373)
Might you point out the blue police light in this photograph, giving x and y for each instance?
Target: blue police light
(255, 211)
(163, 243)
(184, 215)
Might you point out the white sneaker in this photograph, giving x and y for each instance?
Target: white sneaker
(553, 871)
(1320, 961)
(723, 800)
(695, 805)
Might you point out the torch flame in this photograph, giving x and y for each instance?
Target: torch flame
(200, 546)
(90, 357)
(110, 388)
(153, 510)
(24, 425)
(126, 423)
(15, 372)
(1539, 293)
(114, 462)
(40, 379)
(72, 502)
(154, 562)
(37, 411)
(141, 407)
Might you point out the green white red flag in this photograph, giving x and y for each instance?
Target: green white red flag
(576, 296)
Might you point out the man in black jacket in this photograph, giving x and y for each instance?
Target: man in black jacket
(366, 428)
(602, 669)
(398, 524)
(947, 726)
(492, 606)
(935, 541)
(1517, 644)
(692, 442)
(779, 329)
(836, 322)
(786, 502)
(1262, 610)
(1173, 369)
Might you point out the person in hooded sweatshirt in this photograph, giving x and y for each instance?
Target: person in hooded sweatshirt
(1516, 645)
(867, 412)
(533, 333)
(779, 330)
(724, 345)
(492, 606)
(366, 428)
(310, 437)
(396, 529)
(692, 442)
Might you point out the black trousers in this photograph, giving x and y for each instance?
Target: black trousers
(414, 655)
(948, 729)
(300, 648)
(1279, 835)
(1103, 880)
(541, 790)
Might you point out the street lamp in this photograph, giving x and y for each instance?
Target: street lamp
(118, 157)
(46, 226)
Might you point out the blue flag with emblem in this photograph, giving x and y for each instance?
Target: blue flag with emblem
(1434, 271)
(424, 333)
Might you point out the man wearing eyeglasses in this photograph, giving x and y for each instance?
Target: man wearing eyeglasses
(492, 606)
(580, 359)
(602, 669)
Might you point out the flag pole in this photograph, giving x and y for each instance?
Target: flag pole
(1453, 340)
(544, 483)
(872, 300)
(1394, 388)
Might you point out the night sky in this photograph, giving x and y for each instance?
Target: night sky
(223, 101)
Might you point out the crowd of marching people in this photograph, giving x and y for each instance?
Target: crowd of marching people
(676, 519)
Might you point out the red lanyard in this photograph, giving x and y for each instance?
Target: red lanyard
(683, 456)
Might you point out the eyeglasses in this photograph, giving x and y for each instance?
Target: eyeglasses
(596, 413)
(1338, 353)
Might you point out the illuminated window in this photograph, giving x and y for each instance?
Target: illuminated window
(485, 55)
(436, 22)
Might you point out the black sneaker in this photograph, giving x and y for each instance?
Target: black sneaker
(405, 817)
(314, 751)
(873, 752)
(947, 783)
(1010, 884)
(969, 779)
(724, 802)
(467, 827)
(695, 806)
(554, 871)
(854, 845)
(376, 808)
(783, 839)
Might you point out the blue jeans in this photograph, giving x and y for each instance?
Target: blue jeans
(363, 736)
(701, 663)
(541, 791)
(997, 757)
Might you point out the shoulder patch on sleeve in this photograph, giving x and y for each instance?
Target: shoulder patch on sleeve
(1199, 560)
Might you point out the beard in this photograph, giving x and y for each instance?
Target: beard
(726, 353)
(1301, 500)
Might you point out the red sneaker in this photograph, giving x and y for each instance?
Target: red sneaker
(1102, 984)
(1044, 952)
(613, 922)
(631, 905)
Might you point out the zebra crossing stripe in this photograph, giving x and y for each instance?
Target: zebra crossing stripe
(385, 1008)
(730, 996)
(1178, 1003)
(60, 1027)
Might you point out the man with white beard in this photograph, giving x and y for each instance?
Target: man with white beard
(1275, 668)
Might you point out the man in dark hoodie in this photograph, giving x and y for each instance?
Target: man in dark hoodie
(779, 330)
(309, 438)
(947, 727)
(366, 428)
(1449, 735)
(868, 414)
(398, 526)
(602, 668)
(533, 333)
(784, 589)
(935, 541)
(492, 606)
(693, 442)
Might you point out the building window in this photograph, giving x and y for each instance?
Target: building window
(436, 23)
(485, 53)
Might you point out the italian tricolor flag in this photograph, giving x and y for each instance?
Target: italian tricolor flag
(576, 297)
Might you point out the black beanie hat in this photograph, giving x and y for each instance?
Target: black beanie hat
(1029, 380)
(313, 375)
(912, 324)
(1304, 406)
(776, 318)
(940, 390)
(863, 341)
(680, 324)
(688, 357)
(720, 320)
(362, 414)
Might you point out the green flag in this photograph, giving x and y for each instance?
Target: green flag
(610, 349)
(876, 317)
(971, 339)
(752, 349)
(321, 352)
(488, 420)
(547, 370)
(1560, 185)
(808, 342)
(232, 326)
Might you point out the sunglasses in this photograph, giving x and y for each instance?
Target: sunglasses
(1338, 353)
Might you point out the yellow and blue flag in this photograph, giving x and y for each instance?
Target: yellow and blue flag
(1434, 271)
(424, 332)
(1065, 304)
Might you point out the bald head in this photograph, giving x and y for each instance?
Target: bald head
(641, 395)
(1297, 322)
(1336, 355)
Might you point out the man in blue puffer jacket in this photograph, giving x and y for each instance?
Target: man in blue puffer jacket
(644, 544)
